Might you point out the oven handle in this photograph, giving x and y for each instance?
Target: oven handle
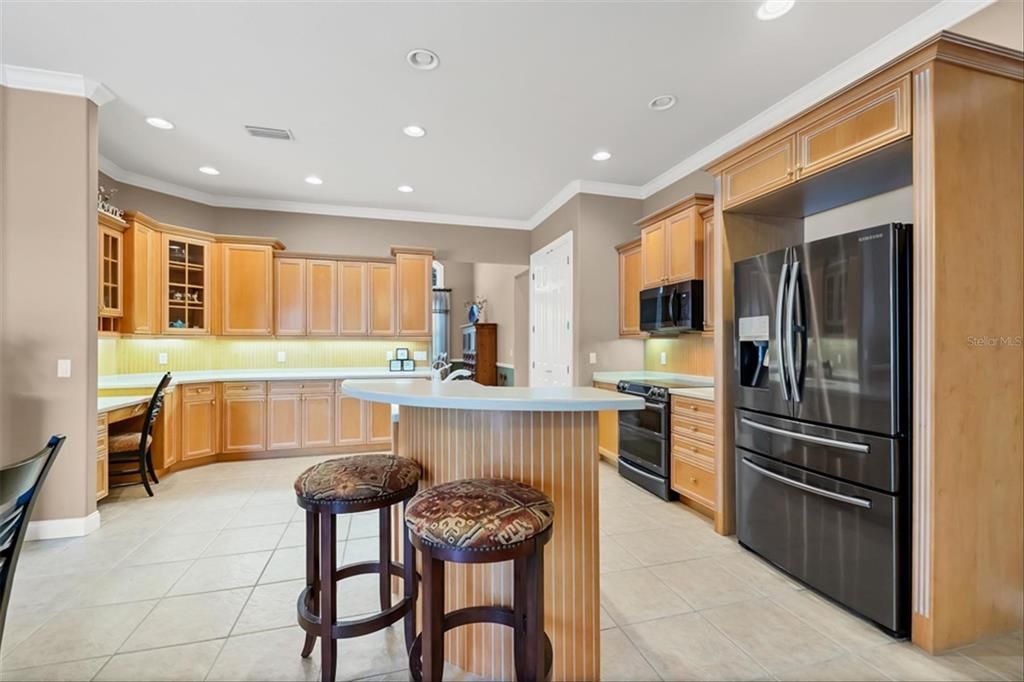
(830, 442)
(838, 497)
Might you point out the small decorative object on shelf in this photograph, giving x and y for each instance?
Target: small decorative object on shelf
(178, 324)
(401, 353)
(477, 309)
(103, 203)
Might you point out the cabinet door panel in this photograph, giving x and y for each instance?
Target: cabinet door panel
(187, 285)
(245, 424)
(284, 422)
(709, 274)
(321, 298)
(380, 423)
(290, 301)
(167, 431)
(317, 421)
(381, 299)
(683, 241)
(352, 297)
(350, 423)
(630, 267)
(199, 428)
(110, 251)
(759, 173)
(652, 246)
(414, 293)
(247, 304)
(142, 280)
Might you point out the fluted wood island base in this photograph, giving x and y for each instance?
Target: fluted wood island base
(547, 443)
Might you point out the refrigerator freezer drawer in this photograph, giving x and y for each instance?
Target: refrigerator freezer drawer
(848, 542)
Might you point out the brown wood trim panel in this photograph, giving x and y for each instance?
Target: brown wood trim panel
(699, 200)
(759, 173)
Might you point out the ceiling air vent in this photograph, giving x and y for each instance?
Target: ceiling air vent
(270, 133)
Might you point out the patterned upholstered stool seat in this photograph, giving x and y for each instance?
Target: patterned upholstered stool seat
(127, 442)
(479, 514)
(357, 478)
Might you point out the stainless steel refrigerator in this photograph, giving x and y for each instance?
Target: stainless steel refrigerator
(441, 310)
(822, 378)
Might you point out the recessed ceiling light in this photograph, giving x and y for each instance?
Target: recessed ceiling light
(601, 156)
(161, 123)
(414, 131)
(423, 59)
(404, 188)
(314, 180)
(662, 102)
(773, 9)
(209, 170)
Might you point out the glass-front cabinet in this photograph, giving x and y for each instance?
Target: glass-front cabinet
(186, 287)
(110, 251)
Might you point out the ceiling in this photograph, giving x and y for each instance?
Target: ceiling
(524, 95)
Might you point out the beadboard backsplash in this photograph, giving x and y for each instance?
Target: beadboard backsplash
(684, 354)
(135, 355)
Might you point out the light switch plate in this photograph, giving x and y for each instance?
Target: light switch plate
(593, 358)
(281, 356)
(161, 359)
(419, 355)
(64, 368)
(664, 358)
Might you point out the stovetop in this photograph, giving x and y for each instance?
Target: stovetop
(654, 390)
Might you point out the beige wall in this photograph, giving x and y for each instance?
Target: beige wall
(521, 349)
(696, 182)
(891, 207)
(1001, 23)
(496, 283)
(459, 278)
(331, 234)
(48, 291)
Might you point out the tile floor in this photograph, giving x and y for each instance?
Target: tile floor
(200, 583)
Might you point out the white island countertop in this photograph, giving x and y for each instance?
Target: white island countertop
(469, 395)
(151, 379)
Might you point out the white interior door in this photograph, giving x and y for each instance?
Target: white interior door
(551, 318)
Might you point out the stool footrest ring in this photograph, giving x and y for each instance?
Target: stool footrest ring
(357, 627)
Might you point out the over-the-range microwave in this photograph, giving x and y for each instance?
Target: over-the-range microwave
(673, 308)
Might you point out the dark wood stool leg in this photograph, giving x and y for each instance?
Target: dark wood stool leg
(312, 575)
(328, 596)
(534, 663)
(520, 631)
(384, 543)
(409, 582)
(433, 618)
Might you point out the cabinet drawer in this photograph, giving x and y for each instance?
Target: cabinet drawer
(245, 388)
(277, 387)
(694, 409)
(870, 122)
(198, 392)
(102, 478)
(693, 427)
(759, 173)
(691, 447)
(693, 481)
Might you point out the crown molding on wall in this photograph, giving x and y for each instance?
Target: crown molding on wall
(56, 82)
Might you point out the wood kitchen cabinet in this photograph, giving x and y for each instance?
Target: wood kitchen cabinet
(379, 425)
(290, 296)
(759, 173)
(684, 246)
(707, 215)
(167, 433)
(630, 274)
(247, 286)
(300, 415)
(284, 420)
(380, 299)
(199, 421)
(110, 297)
(244, 416)
(414, 291)
(102, 463)
(142, 276)
(653, 243)
(321, 298)
(352, 299)
(608, 428)
(693, 470)
(187, 266)
(350, 422)
(672, 243)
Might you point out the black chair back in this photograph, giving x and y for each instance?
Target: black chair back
(153, 411)
(19, 489)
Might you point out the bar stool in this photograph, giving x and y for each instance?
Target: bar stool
(344, 486)
(482, 521)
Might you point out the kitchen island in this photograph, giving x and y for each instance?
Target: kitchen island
(544, 437)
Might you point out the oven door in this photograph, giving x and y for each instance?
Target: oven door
(643, 437)
(654, 309)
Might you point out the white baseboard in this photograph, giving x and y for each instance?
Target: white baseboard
(50, 529)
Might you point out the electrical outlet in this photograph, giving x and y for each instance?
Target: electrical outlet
(64, 368)
(281, 357)
(419, 355)
(593, 358)
(161, 359)
(664, 358)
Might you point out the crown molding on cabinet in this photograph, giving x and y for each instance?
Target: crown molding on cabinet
(56, 82)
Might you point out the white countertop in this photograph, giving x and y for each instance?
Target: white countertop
(707, 393)
(469, 395)
(641, 375)
(117, 402)
(151, 379)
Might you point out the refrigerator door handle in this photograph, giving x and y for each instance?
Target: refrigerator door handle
(794, 385)
(778, 330)
(838, 497)
(819, 440)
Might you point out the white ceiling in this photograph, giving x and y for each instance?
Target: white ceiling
(525, 93)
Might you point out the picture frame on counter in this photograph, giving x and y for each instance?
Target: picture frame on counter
(401, 353)
(395, 365)
(408, 365)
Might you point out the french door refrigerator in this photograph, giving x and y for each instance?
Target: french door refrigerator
(822, 372)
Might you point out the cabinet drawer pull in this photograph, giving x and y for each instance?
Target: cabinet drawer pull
(693, 479)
